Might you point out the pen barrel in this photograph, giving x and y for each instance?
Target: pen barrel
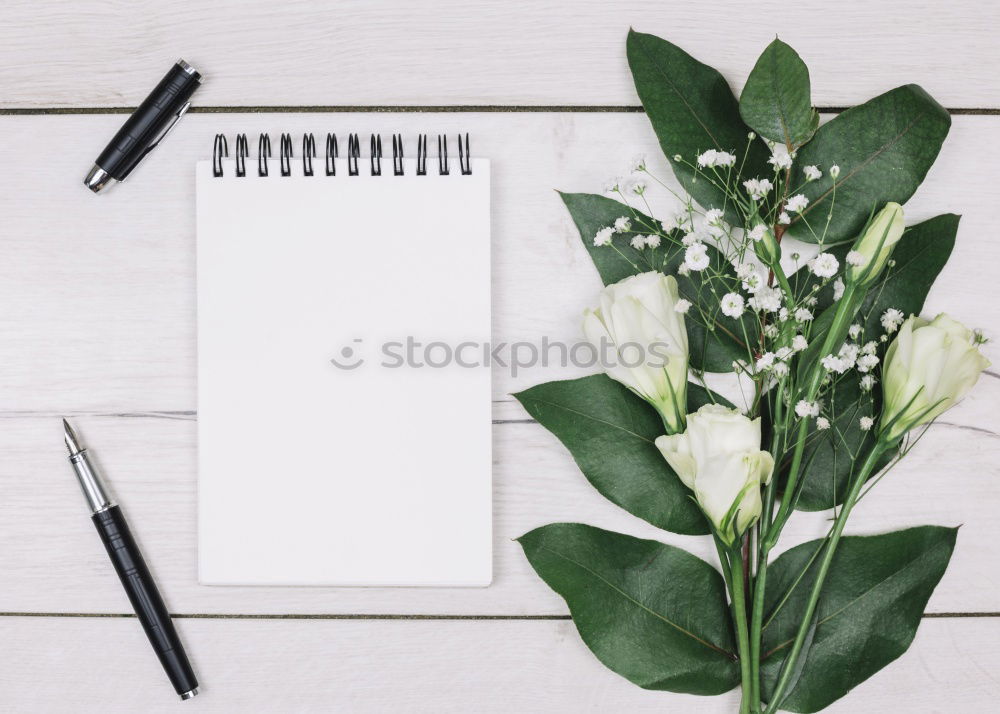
(157, 110)
(145, 598)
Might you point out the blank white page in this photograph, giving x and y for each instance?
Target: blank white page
(310, 474)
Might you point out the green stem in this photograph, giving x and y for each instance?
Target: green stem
(743, 639)
(788, 667)
(834, 337)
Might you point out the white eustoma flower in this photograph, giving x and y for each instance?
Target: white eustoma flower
(732, 305)
(603, 236)
(929, 367)
(812, 173)
(824, 265)
(796, 203)
(639, 314)
(875, 244)
(720, 459)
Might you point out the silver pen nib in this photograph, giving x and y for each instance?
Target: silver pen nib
(72, 442)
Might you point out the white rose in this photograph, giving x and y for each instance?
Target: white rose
(928, 368)
(637, 317)
(719, 458)
(875, 245)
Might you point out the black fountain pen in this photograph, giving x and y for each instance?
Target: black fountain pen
(132, 570)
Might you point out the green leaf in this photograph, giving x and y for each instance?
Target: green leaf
(714, 340)
(775, 100)
(868, 612)
(653, 613)
(884, 148)
(610, 433)
(830, 454)
(692, 109)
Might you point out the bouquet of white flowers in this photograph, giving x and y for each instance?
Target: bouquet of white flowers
(839, 374)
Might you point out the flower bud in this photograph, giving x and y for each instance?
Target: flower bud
(720, 459)
(767, 248)
(929, 367)
(641, 318)
(875, 244)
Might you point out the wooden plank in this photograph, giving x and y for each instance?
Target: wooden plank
(99, 291)
(419, 666)
(150, 462)
(299, 52)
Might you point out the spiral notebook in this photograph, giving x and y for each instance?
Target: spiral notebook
(338, 442)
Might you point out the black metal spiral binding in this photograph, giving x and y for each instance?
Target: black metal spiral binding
(285, 154)
(376, 155)
(308, 152)
(331, 155)
(242, 152)
(422, 155)
(353, 154)
(397, 154)
(464, 157)
(442, 154)
(263, 154)
(220, 149)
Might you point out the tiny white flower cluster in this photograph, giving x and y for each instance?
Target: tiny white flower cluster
(621, 225)
(682, 306)
(696, 257)
(796, 203)
(757, 232)
(640, 242)
(758, 188)
(713, 158)
(844, 360)
(855, 258)
(766, 299)
(812, 173)
(824, 265)
(784, 219)
(866, 423)
(891, 319)
(807, 409)
(782, 160)
(732, 305)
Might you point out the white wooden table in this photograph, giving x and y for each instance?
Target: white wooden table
(97, 322)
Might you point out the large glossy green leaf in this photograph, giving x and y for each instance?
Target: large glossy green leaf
(714, 340)
(610, 433)
(775, 100)
(868, 613)
(692, 109)
(653, 613)
(831, 455)
(884, 148)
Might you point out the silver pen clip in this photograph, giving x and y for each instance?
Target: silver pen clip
(181, 112)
